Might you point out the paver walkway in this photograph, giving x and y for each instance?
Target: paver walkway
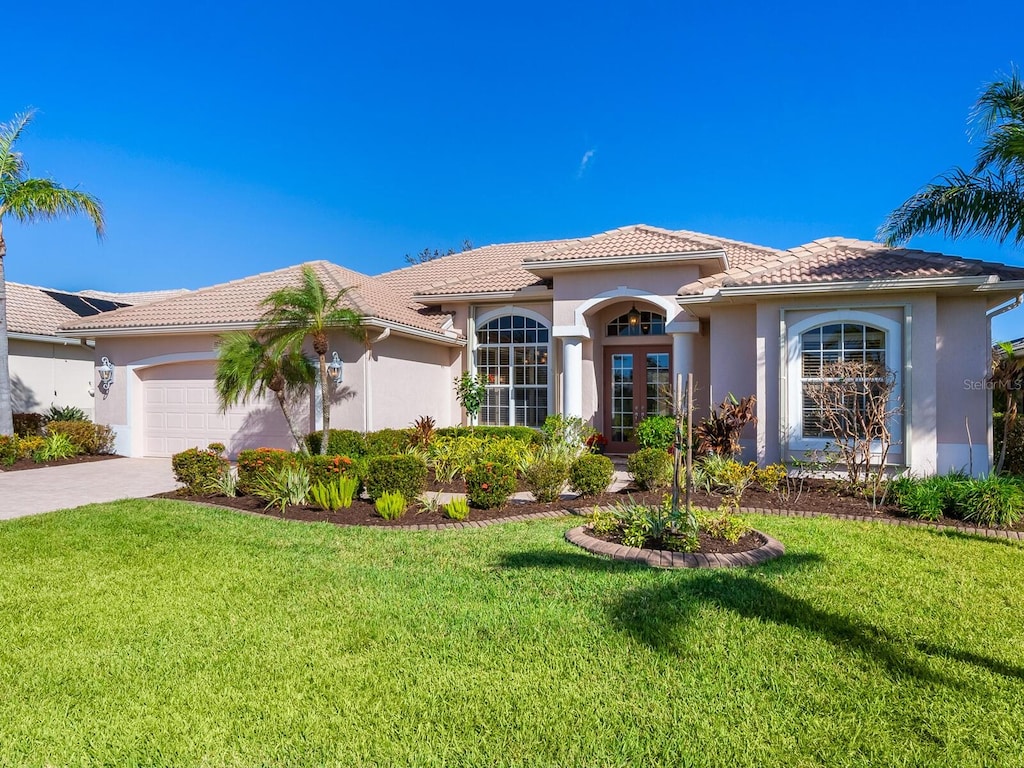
(32, 491)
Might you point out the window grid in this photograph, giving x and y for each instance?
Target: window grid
(512, 353)
(651, 324)
(833, 343)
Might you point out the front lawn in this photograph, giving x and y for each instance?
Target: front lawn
(155, 632)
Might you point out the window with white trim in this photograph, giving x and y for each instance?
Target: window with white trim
(512, 352)
(813, 343)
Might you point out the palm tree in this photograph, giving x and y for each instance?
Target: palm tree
(28, 200)
(987, 201)
(1005, 380)
(308, 311)
(247, 368)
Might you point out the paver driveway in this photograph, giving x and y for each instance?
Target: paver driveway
(31, 491)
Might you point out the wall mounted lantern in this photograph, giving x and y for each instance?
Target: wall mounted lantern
(633, 319)
(334, 368)
(106, 373)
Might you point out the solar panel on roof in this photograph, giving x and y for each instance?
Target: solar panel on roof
(81, 306)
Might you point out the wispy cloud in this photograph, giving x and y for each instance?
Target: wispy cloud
(587, 157)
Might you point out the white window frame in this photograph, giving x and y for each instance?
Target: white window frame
(509, 311)
(794, 373)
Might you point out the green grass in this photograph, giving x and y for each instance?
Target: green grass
(157, 633)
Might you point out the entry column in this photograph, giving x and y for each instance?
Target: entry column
(572, 376)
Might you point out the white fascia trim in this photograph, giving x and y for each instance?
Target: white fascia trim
(1001, 285)
(446, 338)
(56, 340)
(433, 298)
(616, 261)
(893, 284)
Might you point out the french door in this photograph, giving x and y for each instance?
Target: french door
(638, 384)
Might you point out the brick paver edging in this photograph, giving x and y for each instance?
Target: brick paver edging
(659, 558)
(992, 533)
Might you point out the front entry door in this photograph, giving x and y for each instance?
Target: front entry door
(637, 384)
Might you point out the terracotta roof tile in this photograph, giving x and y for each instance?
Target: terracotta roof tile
(838, 259)
(634, 240)
(240, 302)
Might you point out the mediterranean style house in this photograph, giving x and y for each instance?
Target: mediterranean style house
(595, 327)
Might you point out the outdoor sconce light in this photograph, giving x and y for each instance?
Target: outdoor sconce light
(334, 368)
(106, 372)
(633, 319)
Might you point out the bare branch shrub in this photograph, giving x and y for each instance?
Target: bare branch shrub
(855, 406)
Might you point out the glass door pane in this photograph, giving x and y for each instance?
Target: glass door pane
(659, 385)
(622, 398)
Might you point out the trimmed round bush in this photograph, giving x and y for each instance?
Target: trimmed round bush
(196, 469)
(88, 437)
(545, 478)
(386, 442)
(327, 469)
(488, 485)
(591, 474)
(651, 468)
(405, 474)
(525, 434)
(340, 442)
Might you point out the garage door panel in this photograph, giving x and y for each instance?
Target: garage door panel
(181, 412)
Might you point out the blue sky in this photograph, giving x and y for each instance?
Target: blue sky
(227, 139)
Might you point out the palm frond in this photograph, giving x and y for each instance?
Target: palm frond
(247, 367)
(34, 199)
(298, 311)
(961, 204)
(11, 164)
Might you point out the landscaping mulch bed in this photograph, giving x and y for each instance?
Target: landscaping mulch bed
(22, 464)
(708, 544)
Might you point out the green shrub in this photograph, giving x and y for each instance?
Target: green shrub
(255, 461)
(55, 447)
(386, 442)
(546, 477)
(591, 474)
(457, 509)
(488, 485)
(217, 448)
(566, 436)
(326, 469)
(723, 524)
(603, 521)
(340, 442)
(226, 483)
(771, 478)
(1014, 462)
(651, 468)
(656, 432)
(90, 438)
(993, 500)
(931, 498)
(523, 434)
(923, 501)
(29, 424)
(65, 413)
(390, 505)
(508, 451)
(10, 449)
(282, 486)
(196, 469)
(404, 474)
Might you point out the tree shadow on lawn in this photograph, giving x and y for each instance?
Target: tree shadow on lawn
(655, 615)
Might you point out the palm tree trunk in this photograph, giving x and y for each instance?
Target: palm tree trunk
(1009, 419)
(299, 440)
(325, 405)
(6, 410)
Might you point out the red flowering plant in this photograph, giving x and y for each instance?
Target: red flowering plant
(254, 461)
(596, 442)
(489, 484)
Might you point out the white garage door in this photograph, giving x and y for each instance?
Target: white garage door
(181, 410)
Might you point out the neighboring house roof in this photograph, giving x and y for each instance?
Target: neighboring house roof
(841, 260)
(35, 311)
(239, 303)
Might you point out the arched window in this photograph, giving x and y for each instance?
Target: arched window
(637, 323)
(512, 352)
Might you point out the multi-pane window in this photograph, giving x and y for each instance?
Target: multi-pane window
(512, 352)
(852, 342)
(645, 324)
